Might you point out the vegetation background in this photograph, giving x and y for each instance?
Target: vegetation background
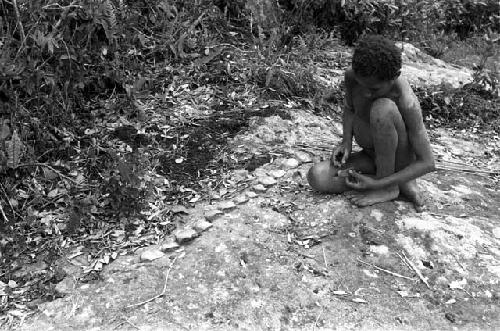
(69, 67)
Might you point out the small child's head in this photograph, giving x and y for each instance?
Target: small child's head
(378, 57)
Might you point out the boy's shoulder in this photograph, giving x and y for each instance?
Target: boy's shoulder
(403, 86)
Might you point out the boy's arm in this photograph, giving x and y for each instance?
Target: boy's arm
(348, 110)
(409, 108)
(341, 152)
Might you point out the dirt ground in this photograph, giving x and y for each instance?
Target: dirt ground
(273, 255)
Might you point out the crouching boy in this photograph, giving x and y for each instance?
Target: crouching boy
(383, 114)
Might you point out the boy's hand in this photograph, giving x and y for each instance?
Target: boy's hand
(360, 182)
(340, 155)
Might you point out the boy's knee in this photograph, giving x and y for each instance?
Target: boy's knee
(383, 110)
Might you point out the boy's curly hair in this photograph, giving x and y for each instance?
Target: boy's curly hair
(378, 57)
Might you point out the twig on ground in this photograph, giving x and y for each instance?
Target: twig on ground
(324, 258)
(384, 270)
(160, 294)
(312, 257)
(442, 166)
(419, 274)
(132, 324)
(317, 319)
(3, 214)
(7, 199)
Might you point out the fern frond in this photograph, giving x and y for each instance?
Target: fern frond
(106, 16)
(14, 149)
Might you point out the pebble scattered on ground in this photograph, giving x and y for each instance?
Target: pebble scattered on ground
(226, 205)
(151, 255)
(185, 235)
(211, 215)
(290, 163)
(267, 180)
(202, 225)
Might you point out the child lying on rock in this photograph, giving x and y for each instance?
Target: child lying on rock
(384, 116)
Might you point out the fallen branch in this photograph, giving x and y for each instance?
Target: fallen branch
(158, 295)
(419, 274)
(385, 270)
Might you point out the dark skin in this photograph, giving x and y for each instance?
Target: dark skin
(386, 120)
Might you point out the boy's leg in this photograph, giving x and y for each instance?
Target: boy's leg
(392, 150)
(323, 175)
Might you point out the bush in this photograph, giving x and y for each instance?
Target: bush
(397, 19)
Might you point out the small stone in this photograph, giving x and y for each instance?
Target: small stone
(303, 157)
(496, 232)
(151, 255)
(379, 249)
(267, 180)
(225, 205)
(290, 163)
(202, 225)
(240, 199)
(240, 175)
(259, 188)
(169, 246)
(66, 286)
(277, 173)
(211, 215)
(177, 209)
(297, 176)
(251, 194)
(185, 235)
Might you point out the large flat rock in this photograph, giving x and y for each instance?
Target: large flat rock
(291, 259)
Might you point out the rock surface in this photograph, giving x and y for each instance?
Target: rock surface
(291, 259)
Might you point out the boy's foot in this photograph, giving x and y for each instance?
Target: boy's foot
(411, 192)
(369, 198)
